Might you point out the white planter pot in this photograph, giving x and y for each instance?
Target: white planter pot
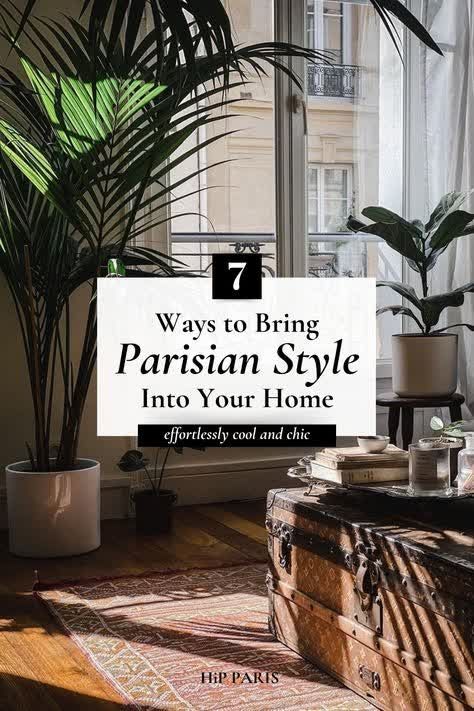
(53, 514)
(425, 366)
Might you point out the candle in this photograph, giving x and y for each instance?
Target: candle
(429, 469)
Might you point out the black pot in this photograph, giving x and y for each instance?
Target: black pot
(153, 514)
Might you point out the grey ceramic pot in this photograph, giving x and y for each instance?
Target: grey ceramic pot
(425, 366)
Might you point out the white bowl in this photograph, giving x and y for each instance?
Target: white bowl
(374, 444)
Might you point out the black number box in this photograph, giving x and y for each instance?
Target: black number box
(237, 276)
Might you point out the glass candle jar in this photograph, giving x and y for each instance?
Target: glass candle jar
(455, 445)
(465, 480)
(429, 469)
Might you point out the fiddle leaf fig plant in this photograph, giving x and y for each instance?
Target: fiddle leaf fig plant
(422, 245)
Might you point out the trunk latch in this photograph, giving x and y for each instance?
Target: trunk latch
(367, 602)
(284, 556)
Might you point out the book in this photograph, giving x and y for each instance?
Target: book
(355, 458)
(359, 476)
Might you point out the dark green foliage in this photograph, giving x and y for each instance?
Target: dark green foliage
(422, 245)
(135, 461)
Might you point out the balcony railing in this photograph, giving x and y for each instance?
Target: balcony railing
(336, 80)
(329, 255)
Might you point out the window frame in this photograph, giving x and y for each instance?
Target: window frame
(321, 169)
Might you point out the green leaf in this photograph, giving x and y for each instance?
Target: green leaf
(398, 238)
(450, 228)
(436, 424)
(30, 161)
(455, 433)
(455, 325)
(448, 203)
(382, 214)
(401, 12)
(399, 310)
(133, 461)
(404, 290)
(355, 225)
(433, 306)
(80, 122)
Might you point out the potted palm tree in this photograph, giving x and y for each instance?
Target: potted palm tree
(90, 130)
(88, 138)
(424, 363)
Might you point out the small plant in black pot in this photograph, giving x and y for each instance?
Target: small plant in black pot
(154, 505)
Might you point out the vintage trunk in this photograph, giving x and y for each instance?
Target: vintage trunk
(380, 599)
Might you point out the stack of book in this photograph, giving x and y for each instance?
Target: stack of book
(350, 465)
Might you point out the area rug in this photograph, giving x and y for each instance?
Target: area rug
(192, 640)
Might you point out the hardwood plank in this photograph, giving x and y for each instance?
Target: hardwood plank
(247, 546)
(253, 530)
(254, 511)
(50, 656)
(195, 547)
(19, 688)
(48, 662)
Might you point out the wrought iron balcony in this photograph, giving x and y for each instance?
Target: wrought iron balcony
(336, 80)
(329, 255)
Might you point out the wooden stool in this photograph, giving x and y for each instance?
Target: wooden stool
(407, 406)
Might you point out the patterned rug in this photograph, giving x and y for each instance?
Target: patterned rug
(192, 640)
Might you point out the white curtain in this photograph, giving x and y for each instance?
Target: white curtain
(448, 130)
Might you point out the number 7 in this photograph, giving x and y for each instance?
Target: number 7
(237, 265)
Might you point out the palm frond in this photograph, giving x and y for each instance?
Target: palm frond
(210, 19)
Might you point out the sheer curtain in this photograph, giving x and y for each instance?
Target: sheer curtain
(378, 148)
(448, 129)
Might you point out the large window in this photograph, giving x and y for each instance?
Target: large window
(350, 157)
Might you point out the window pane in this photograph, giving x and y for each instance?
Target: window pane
(232, 208)
(332, 8)
(354, 144)
(310, 24)
(333, 36)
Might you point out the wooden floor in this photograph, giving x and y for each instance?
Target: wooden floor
(40, 668)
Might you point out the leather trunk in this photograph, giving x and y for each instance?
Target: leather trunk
(378, 594)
